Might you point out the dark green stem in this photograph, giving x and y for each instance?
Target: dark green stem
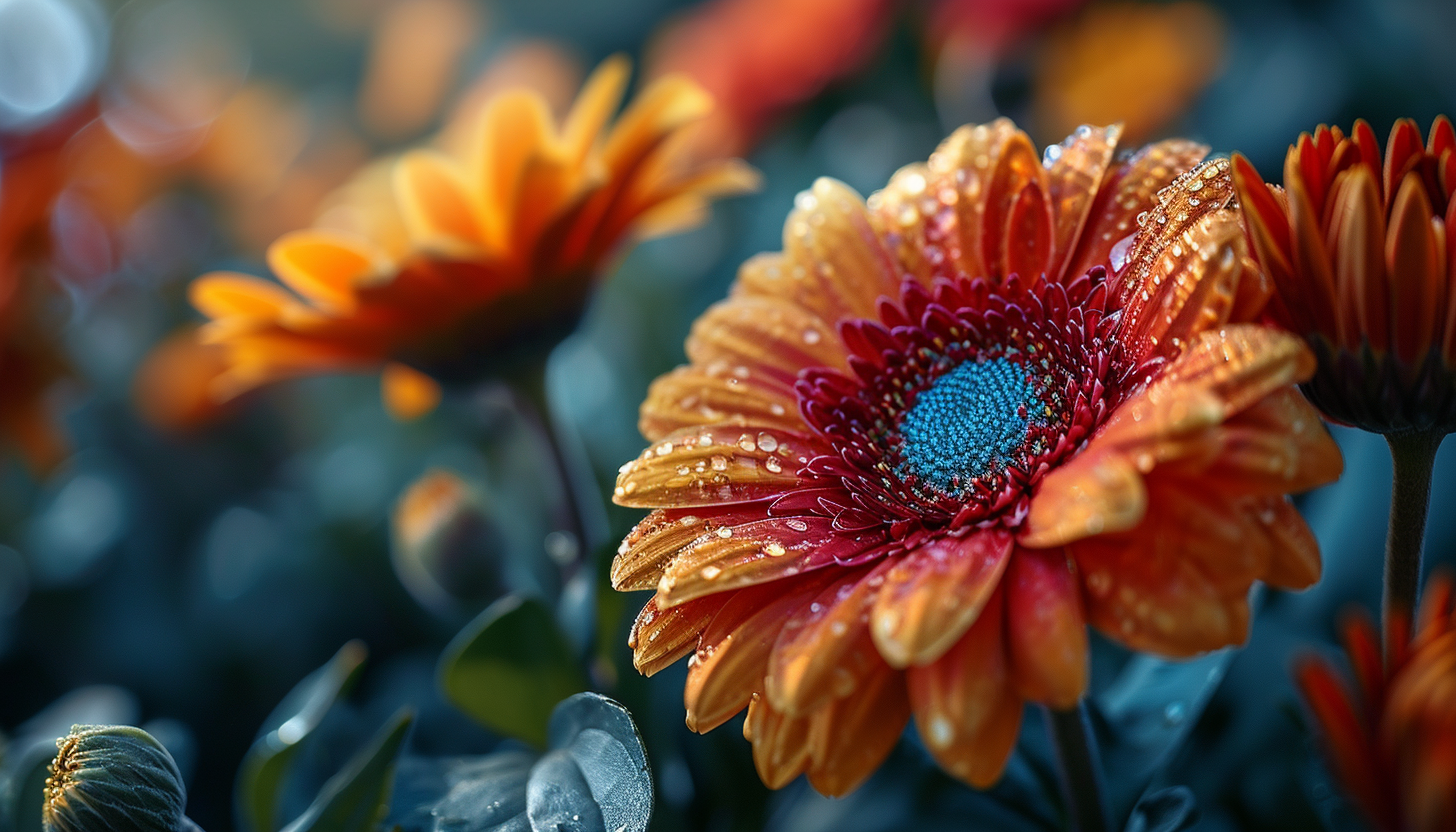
(1413, 455)
(1079, 768)
(583, 517)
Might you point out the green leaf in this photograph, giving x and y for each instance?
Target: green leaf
(28, 789)
(260, 779)
(509, 667)
(357, 798)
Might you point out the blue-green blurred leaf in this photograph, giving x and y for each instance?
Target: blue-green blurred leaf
(28, 789)
(357, 798)
(462, 794)
(595, 778)
(1146, 714)
(260, 778)
(1166, 810)
(597, 736)
(509, 667)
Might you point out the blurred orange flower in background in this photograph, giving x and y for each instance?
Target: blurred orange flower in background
(757, 58)
(1365, 266)
(1391, 741)
(918, 451)
(30, 359)
(1137, 63)
(454, 264)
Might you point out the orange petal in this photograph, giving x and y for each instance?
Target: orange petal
(762, 341)
(658, 538)
(933, 594)
(1402, 153)
(1348, 748)
(598, 100)
(1278, 446)
(1294, 557)
(1046, 632)
(1096, 492)
(710, 466)
(1356, 242)
(408, 393)
(1415, 263)
(780, 743)
(965, 707)
(689, 397)
(1074, 179)
(436, 204)
(1195, 284)
(323, 267)
(1015, 168)
(1026, 244)
(515, 128)
(728, 667)
(1240, 365)
(959, 175)
(833, 265)
(226, 295)
(1130, 190)
(661, 637)
(849, 739)
(757, 552)
(665, 105)
(825, 649)
(1313, 271)
(1146, 591)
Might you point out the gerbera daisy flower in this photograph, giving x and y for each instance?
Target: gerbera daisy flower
(1364, 267)
(1391, 741)
(916, 452)
(493, 252)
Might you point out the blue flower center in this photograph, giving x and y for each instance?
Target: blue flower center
(970, 423)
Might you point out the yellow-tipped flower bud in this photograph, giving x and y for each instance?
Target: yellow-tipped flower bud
(113, 778)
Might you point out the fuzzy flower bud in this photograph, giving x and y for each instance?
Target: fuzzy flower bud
(113, 778)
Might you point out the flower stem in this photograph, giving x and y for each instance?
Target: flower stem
(1413, 455)
(1079, 768)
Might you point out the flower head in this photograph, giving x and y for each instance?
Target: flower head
(471, 257)
(1362, 260)
(1392, 741)
(918, 450)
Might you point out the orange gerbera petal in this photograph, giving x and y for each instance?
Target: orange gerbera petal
(780, 743)
(833, 265)
(777, 338)
(688, 397)
(742, 555)
(238, 297)
(825, 650)
(436, 205)
(707, 466)
(1048, 646)
(1146, 589)
(965, 706)
(935, 593)
(733, 651)
(850, 738)
(323, 267)
(662, 636)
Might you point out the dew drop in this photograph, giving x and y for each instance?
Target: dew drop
(797, 525)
